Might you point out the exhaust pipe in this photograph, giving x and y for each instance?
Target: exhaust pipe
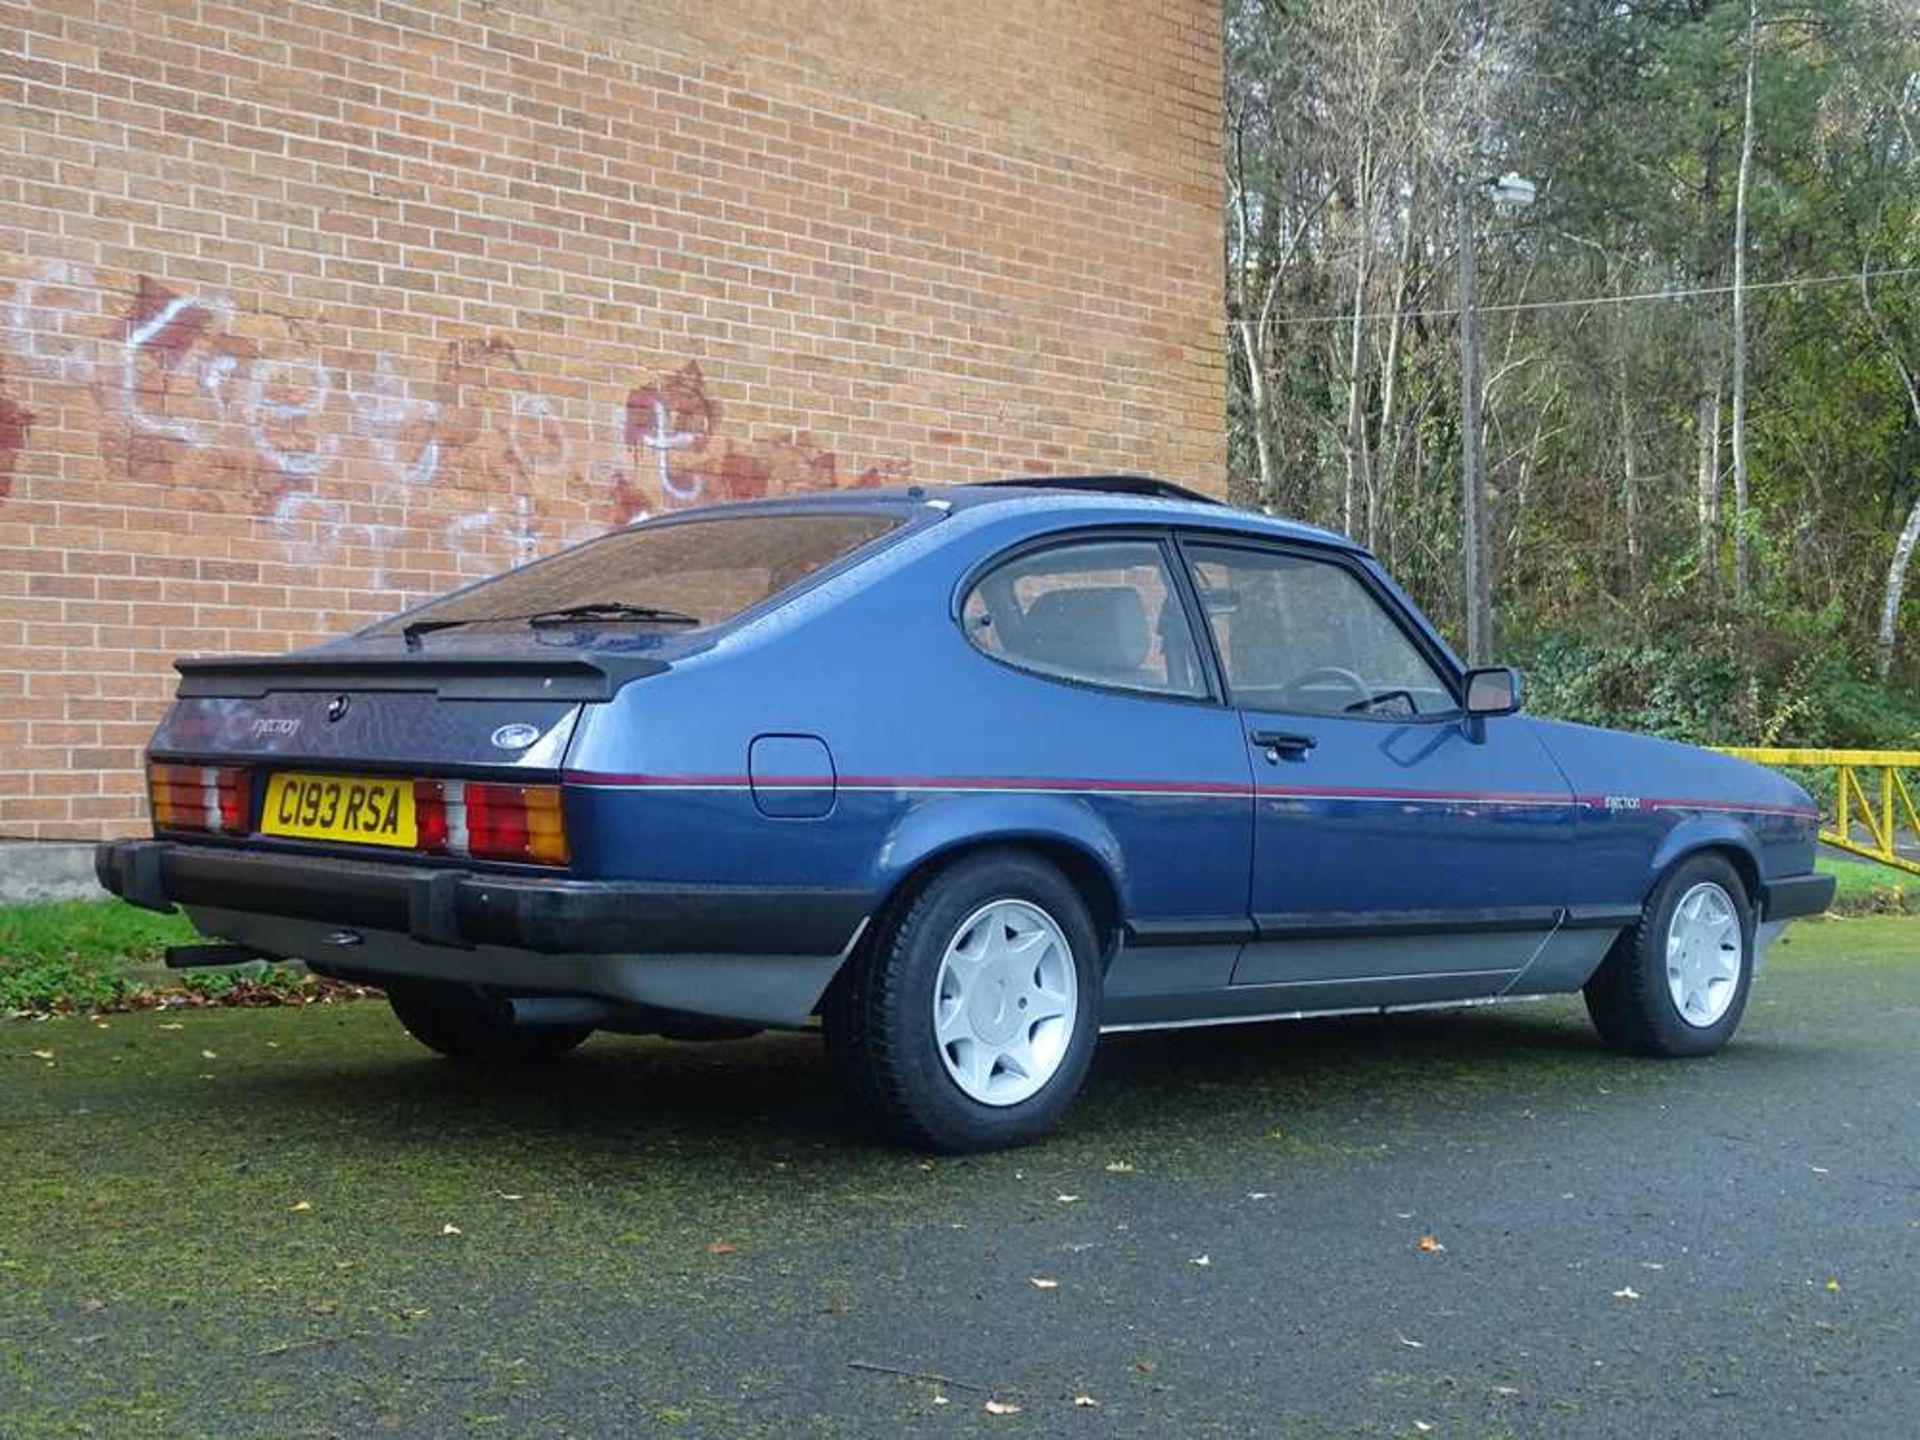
(198, 957)
(538, 1010)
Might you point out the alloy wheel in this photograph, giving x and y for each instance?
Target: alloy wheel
(1004, 1002)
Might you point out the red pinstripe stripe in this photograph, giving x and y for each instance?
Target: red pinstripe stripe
(1195, 788)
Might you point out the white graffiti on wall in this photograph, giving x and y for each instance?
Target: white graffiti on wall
(337, 444)
(663, 439)
(402, 429)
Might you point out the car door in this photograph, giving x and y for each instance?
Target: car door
(1099, 707)
(1403, 851)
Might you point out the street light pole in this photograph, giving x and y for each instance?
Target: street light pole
(1510, 192)
(1473, 480)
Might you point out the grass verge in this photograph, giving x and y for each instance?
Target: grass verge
(106, 955)
(1866, 888)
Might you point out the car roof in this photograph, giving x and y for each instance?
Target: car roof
(1112, 499)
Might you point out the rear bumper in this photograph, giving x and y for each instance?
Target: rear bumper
(462, 910)
(1793, 896)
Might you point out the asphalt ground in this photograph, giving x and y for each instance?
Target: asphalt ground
(290, 1223)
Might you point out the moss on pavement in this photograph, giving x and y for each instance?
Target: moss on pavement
(287, 1222)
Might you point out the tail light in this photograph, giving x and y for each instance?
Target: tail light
(216, 799)
(485, 821)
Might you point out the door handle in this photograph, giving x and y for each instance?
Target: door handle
(1282, 742)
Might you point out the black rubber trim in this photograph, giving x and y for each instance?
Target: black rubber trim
(1143, 486)
(1319, 925)
(1600, 917)
(1330, 924)
(1190, 930)
(1793, 896)
(550, 915)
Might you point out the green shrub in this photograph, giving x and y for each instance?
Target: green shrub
(1784, 680)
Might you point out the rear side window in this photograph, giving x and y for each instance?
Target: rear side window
(709, 569)
(1101, 612)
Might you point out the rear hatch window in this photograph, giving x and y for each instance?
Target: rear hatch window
(695, 571)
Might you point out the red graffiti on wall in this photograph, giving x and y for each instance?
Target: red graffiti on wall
(494, 458)
(671, 435)
(15, 425)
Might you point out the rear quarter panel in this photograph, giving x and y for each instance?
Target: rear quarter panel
(933, 746)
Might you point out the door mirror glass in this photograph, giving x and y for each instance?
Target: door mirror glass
(1494, 690)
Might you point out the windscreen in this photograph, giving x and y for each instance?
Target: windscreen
(710, 570)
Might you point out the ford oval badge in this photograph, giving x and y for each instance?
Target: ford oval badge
(516, 736)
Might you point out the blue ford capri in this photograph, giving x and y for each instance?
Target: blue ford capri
(966, 776)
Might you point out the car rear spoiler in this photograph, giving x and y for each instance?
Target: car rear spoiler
(516, 676)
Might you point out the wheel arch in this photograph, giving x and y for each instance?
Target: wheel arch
(1066, 834)
(1712, 835)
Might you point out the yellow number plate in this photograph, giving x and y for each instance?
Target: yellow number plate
(360, 810)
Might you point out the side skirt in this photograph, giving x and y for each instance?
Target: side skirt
(1210, 1020)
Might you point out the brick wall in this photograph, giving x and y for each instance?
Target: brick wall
(309, 309)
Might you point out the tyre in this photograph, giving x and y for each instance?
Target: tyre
(970, 1021)
(461, 1029)
(1676, 983)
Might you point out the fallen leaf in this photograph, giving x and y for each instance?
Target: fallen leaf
(300, 1207)
(1086, 1402)
(722, 1247)
(323, 1307)
(1430, 1246)
(1201, 1260)
(1119, 1167)
(1833, 1285)
(1040, 1282)
(1626, 1292)
(1001, 1407)
(449, 1229)
(92, 1307)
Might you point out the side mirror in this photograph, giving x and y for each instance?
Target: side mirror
(1493, 690)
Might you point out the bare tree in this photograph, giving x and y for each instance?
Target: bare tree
(1473, 476)
(1742, 539)
(1893, 593)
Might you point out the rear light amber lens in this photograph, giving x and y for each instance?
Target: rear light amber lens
(213, 799)
(485, 821)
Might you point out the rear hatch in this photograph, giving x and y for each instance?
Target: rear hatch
(367, 750)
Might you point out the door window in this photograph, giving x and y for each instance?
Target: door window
(1102, 612)
(1307, 636)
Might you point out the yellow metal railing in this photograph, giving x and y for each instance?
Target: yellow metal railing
(1878, 810)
